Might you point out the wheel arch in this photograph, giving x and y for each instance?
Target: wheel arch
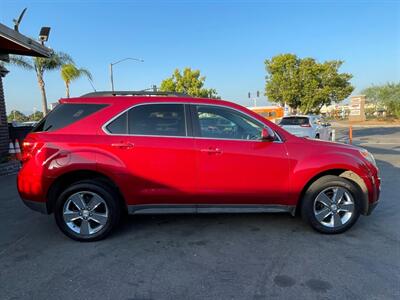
(68, 178)
(347, 174)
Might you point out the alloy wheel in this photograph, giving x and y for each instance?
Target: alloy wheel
(334, 207)
(85, 213)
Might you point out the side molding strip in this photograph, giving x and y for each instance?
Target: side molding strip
(209, 208)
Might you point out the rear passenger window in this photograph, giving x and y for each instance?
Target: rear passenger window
(66, 114)
(157, 119)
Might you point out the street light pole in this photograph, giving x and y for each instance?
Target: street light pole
(111, 77)
(117, 62)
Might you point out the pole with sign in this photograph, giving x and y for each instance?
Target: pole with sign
(357, 112)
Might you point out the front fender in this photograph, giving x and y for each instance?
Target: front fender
(311, 167)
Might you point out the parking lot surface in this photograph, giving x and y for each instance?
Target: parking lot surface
(241, 256)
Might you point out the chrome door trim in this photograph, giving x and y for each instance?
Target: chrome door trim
(186, 129)
(104, 127)
(240, 112)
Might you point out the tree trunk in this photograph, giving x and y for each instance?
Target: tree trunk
(67, 89)
(43, 91)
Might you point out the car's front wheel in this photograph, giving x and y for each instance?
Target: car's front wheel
(331, 204)
(87, 211)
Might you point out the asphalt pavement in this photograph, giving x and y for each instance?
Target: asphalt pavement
(241, 256)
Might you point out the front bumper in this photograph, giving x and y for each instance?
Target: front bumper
(374, 194)
(371, 207)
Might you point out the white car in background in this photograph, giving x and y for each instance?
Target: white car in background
(307, 126)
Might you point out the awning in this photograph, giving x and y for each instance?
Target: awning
(13, 42)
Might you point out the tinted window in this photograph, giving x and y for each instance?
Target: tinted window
(157, 119)
(294, 121)
(218, 122)
(66, 114)
(119, 125)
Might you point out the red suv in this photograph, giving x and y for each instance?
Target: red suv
(96, 157)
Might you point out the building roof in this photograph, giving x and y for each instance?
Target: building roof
(13, 42)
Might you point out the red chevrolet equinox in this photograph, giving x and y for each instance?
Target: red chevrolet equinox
(104, 154)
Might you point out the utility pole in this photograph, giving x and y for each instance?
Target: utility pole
(112, 77)
(117, 62)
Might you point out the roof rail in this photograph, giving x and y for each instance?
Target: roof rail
(133, 93)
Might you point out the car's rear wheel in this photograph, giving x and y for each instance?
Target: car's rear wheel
(87, 211)
(331, 204)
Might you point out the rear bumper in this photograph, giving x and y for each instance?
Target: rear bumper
(31, 190)
(32, 185)
(36, 206)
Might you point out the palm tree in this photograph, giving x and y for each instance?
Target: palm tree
(40, 65)
(69, 73)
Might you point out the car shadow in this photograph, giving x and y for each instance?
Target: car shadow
(186, 225)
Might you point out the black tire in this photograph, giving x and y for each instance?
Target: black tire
(106, 193)
(321, 184)
(317, 136)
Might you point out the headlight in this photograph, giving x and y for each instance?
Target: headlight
(368, 156)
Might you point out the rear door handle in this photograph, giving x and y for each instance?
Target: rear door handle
(212, 150)
(122, 145)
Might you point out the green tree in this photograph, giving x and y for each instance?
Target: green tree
(36, 116)
(16, 115)
(282, 81)
(69, 73)
(322, 84)
(305, 83)
(40, 65)
(387, 96)
(189, 82)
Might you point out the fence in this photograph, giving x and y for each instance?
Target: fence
(19, 132)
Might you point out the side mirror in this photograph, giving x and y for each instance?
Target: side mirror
(267, 134)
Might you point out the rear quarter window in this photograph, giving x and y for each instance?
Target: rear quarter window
(66, 114)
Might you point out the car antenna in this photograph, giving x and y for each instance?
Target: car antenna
(91, 83)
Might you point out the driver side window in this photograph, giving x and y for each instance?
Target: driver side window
(224, 123)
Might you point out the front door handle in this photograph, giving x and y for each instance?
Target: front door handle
(122, 145)
(212, 150)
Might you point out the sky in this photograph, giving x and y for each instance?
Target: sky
(228, 41)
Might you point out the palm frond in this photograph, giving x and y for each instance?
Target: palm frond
(22, 62)
(55, 61)
(86, 73)
(69, 72)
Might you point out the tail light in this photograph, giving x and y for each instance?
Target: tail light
(29, 148)
(305, 125)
